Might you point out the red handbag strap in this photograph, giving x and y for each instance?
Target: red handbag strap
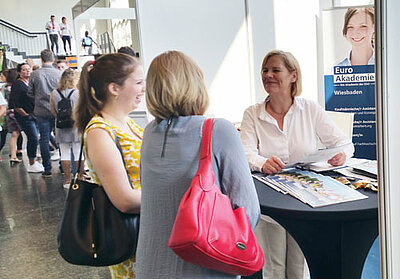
(205, 148)
(205, 169)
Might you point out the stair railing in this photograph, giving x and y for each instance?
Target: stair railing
(106, 43)
(32, 43)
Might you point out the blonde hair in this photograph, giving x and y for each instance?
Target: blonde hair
(291, 64)
(175, 87)
(69, 79)
(93, 84)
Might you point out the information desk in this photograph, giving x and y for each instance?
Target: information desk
(335, 239)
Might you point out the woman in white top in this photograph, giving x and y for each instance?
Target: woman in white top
(65, 34)
(282, 129)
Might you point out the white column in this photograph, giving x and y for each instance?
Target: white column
(388, 115)
(214, 34)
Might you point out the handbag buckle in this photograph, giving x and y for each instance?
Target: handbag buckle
(75, 186)
(241, 246)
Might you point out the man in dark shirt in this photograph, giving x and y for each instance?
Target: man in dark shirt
(41, 83)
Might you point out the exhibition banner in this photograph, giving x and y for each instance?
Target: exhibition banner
(349, 81)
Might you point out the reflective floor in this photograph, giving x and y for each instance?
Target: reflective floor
(30, 210)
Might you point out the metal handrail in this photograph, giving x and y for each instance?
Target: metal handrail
(20, 30)
(106, 43)
(27, 43)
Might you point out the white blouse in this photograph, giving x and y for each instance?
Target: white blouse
(64, 28)
(303, 125)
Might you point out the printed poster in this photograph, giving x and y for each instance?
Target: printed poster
(349, 74)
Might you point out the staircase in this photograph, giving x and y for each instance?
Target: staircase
(106, 44)
(82, 6)
(21, 44)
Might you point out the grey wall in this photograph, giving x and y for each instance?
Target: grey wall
(262, 18)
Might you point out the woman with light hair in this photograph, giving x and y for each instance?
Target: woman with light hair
(67, 138)
(284, 128)
(177, 96)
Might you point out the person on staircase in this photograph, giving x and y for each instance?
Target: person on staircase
(66, 36)
(53, 29)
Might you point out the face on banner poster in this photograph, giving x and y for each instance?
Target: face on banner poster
(349, 71)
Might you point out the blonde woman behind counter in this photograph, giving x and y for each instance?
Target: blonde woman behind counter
(281, 129)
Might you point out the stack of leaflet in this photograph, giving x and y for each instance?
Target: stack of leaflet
(324, 166)
(309, 187)
(368, 168)
(361, 169)
(321, 155)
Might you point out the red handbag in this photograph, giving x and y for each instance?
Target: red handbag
(207, 231)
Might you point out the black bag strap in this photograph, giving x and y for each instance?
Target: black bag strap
(59, 92)
(69, 95)
(116, 143)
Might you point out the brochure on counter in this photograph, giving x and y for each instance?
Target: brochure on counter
(325, 166)
(320, 155)
(368, 168)
(309, 187)
(363, 168)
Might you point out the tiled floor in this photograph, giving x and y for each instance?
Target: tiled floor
(30, 210)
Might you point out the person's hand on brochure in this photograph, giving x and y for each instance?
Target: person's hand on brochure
(272, 165)
(338, 160)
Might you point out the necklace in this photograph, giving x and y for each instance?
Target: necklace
(271, 110)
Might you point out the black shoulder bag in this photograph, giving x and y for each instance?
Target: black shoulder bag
(93, 231)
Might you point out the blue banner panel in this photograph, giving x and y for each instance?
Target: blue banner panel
(352, 89)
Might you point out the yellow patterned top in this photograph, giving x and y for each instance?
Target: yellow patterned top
(130, 146)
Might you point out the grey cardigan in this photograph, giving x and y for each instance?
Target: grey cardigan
(165, 180)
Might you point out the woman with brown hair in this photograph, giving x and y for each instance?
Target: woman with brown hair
(23, 105)
(12, 126)
(358, 29)
(109, 89)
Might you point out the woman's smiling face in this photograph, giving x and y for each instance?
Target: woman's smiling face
(360, 29)
(277, 79)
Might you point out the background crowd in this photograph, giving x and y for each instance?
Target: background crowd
(163, 158)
